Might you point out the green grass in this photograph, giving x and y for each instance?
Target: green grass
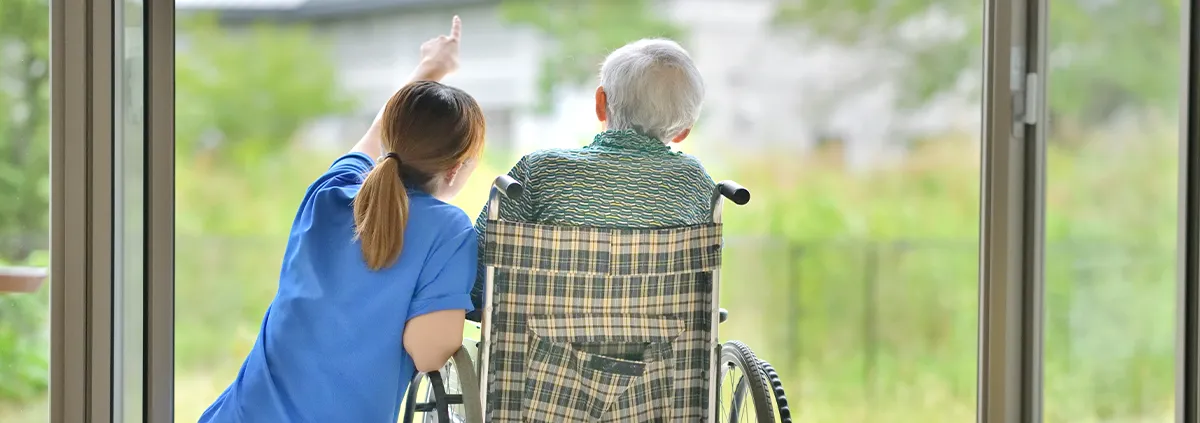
(861, 288)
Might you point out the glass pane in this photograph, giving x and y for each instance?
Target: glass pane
(25, 210)
(129, 223)
(1111, 211)
(855, 124)
(261, 111)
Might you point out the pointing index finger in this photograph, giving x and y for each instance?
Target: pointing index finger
(456, 28)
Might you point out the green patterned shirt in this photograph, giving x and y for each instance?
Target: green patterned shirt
(622, 179)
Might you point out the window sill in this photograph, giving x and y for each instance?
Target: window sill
(14, 280)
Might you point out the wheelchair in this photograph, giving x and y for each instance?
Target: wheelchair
(586, 324)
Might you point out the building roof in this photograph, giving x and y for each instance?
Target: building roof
(308, 9)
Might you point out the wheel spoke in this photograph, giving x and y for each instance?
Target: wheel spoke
(739, 400)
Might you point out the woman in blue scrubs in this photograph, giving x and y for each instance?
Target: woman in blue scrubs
(377, 274)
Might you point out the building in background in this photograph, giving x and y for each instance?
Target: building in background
(375, 48)
(766, 90)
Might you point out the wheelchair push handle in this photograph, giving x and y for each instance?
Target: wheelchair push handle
(736, 193)
(508, 187)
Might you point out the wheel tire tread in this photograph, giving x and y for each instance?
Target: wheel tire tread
(781, 402)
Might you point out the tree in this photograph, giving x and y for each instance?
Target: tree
(243, 93)
(24, 139)
(1104, 56)
(583, 32)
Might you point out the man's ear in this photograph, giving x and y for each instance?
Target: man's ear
(679, 138)
(601, 104)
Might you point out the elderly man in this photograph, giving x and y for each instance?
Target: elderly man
(649, 97)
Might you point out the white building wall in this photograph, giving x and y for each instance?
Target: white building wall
(766, 90)
(375, 55)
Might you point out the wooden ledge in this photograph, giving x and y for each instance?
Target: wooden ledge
(21, 279)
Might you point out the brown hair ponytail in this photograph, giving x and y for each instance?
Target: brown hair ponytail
(427, 129)
(380, 214)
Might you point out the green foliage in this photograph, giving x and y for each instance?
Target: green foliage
(242, 94)
(931, 63)
(24, 138)
(24, 180)
(23, 346)
(584, 31)
(861, 288)
(231, 228)
(867, 284)
(1103, 55)
(24, 341)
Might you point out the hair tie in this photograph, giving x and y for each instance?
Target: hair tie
(392, 156)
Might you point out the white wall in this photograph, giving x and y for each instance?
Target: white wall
(376, 53)
(765, 89)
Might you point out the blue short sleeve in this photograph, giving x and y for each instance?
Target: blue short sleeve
(446, 284)
(350, 169)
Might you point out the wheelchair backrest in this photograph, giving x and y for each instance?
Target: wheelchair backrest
(594, 324)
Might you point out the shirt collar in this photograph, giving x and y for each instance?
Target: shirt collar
(628, 139)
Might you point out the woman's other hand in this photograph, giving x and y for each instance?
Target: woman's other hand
(439, 55)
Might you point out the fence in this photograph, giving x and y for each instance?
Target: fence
(859, 321)
(869, 318)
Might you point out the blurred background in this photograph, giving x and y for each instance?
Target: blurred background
(855, 123)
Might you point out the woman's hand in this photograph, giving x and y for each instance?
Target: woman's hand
(439, 56)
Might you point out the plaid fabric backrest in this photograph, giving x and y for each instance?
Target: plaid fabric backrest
(608, 325)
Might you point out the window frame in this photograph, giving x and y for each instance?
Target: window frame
(80, 224)
(82, 207)
(1012, 207)
(159, 247)
(1011, 241)
(1187, 334)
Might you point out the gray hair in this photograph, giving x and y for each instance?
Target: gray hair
(652, 87)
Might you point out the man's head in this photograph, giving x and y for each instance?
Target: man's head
(650, 86)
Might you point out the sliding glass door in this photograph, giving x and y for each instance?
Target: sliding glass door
(1067, 132)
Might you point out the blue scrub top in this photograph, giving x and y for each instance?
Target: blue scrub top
(331, 344)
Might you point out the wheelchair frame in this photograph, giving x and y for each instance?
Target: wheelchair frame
(505, 186)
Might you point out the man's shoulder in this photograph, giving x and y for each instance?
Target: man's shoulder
(691, 165)
(547, 162)
(576, 163)
(587, 154)
(555, 154)
(689, 160)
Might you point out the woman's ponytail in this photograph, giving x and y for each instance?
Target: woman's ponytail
(381, 213)
(435, 129)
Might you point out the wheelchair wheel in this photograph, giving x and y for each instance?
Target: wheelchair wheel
(744, 394)
(450, 395)
(781, 402)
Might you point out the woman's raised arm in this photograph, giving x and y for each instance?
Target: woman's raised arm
(439, 57)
